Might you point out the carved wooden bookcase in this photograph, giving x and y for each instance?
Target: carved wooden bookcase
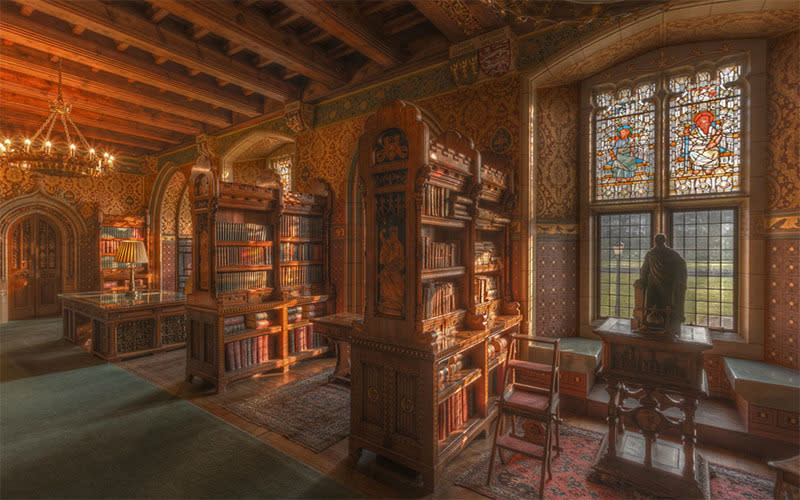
(113, 229)
(426, 344)
(237, 274)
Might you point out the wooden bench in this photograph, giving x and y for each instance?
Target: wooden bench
(767, 398)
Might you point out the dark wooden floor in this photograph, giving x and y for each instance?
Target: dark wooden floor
(372, 477)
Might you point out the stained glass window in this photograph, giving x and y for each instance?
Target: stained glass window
(705, 132)
(624, 239)
(283, 166)
(706, 239)
(624, 127)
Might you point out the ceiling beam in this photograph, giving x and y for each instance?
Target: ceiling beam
(346, 28)
(16, 119)
(284, 18)
(41, 89)
(25, 61)
(121, 25)
(252, 31)
(83, 117)
(47, 39)
(403, 22)
(439, 18)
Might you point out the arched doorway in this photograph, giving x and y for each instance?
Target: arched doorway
(35, 246)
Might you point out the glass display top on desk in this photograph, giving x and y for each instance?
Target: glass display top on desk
(112, 300)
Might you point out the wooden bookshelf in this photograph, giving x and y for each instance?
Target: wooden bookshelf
(244, 319)
(113, 229)
(437, 317)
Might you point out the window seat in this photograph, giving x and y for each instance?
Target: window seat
(767, 398)
(580, 359)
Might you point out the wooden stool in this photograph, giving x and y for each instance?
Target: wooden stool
(533, 402)
(787, 481)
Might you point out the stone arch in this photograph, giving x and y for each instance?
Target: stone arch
(78, 273)
(245, 143)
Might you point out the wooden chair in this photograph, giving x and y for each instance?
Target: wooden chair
(537, 402)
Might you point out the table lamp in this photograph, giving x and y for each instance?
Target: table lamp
(133, 252)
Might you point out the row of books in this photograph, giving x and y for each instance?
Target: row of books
(301, 275)
(454, 412)
(436, 201)
(248, 352)
(448, 369)
(233, 324)
(243, 256)
(438, 254)
(109, 246)
(300, 226)
(243, 280)
(108, 262)
(485, 253)
(439, 298)
(485, 289)
(125, 233)
(241, 231)
(303, 339)
(305, 312)
(262, 320)
(301, 251)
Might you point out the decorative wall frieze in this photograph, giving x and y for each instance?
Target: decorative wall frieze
(782, 224)
(563, 229)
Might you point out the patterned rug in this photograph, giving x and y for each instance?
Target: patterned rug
(310, 412)
(572, 478)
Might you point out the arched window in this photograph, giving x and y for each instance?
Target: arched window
(283, 165)
(667, 153)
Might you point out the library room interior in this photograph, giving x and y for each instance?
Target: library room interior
(504, 249)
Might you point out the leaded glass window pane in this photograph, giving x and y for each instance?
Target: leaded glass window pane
(283, 166)
(624, 239)
(705, 132)
(707, 241)
(624, 129)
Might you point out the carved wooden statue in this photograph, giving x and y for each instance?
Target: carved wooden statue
(660, 291)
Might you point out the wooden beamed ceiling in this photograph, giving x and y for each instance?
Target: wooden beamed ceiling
(148, 75)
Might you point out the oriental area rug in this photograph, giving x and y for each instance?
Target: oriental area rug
(573, 478)
(310, 412)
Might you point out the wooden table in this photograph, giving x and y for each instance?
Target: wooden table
(123, 327)
(338, 327)
(646, 376)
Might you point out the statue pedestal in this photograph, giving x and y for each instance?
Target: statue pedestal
(646, 376)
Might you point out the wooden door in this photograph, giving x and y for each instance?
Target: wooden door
(34, 268)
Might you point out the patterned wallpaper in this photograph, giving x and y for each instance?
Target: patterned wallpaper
(169, 204)
(784, 112)
(556, 149)
(783, 313)
(116, 194)
(557, 286)
(327, 153)
(781, 342)
(485, 112)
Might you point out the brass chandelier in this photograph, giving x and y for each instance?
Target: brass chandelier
(44, 155)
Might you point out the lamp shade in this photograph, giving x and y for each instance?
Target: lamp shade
(132, 252)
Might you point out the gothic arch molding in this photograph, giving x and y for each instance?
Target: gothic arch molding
(75, 241)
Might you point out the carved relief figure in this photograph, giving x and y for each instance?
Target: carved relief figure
(661, 288)
(391, 286)
(391, 145)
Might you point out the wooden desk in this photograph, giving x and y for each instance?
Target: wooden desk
(645, 445)
(122, 327)
(338, 327)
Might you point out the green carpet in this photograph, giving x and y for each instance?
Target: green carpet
(100, 431)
